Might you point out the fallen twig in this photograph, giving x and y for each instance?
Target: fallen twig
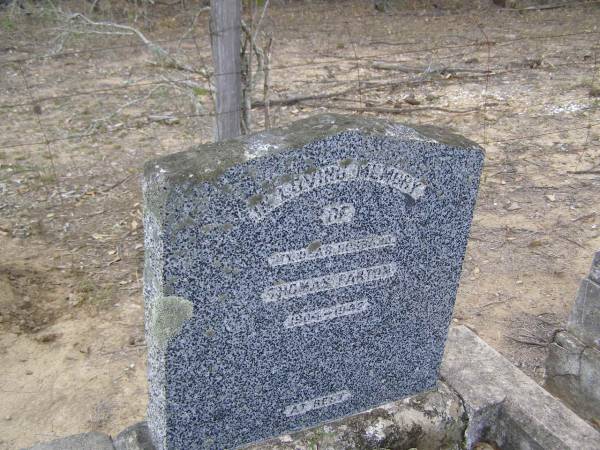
(383, 110)
(301, 98)
(584, 172)
(382, 65)
(542, 7)
(584, 217)
(364, 86)
(118, 183)
(572, 241)
(528, 342)
(497, 302)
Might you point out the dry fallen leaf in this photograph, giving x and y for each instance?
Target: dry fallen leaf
(117, 259)
(411, 100)
(46, 337)
(535, 243)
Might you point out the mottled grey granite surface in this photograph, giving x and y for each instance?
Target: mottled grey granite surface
(300, 275)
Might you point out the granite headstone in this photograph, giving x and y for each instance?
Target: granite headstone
(300, 275)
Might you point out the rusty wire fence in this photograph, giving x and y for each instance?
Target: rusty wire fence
(85, 99)
(363, 73)
(86, 96)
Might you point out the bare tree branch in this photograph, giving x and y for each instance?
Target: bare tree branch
(258, 24)
(163, 58)
(266, 85)
(250, 77)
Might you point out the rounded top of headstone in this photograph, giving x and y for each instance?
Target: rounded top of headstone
(206, 162)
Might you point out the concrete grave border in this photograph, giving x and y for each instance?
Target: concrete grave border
(506, 406)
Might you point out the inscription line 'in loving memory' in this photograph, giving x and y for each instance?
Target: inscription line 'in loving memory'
(333, 249)
(261, 205)
(300, 288)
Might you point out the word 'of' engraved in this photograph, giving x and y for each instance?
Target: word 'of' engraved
(324, 314)
(334, 249)
(261, 205)
(317, 403)
(337, 213)
(301, 288)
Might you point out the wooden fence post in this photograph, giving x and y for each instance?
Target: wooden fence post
(225, 18)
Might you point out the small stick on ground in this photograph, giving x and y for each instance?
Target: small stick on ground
(381, 65)
(405, 110)
(528, 342)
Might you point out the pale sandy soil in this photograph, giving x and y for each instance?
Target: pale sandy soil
(72, 355)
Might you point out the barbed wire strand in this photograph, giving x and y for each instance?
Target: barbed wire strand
(188, 116)
(280, 67)
(43, 131)
(438, 15)
(487, 42)
(141, 44)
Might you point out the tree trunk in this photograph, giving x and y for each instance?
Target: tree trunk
(225, 41)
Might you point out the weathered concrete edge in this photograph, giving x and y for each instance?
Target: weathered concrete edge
(505, 405)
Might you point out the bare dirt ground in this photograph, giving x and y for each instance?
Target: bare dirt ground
(72, 355)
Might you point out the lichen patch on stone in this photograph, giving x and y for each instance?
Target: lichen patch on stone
(168, 317)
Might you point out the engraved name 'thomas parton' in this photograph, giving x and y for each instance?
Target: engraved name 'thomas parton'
(304, 276)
